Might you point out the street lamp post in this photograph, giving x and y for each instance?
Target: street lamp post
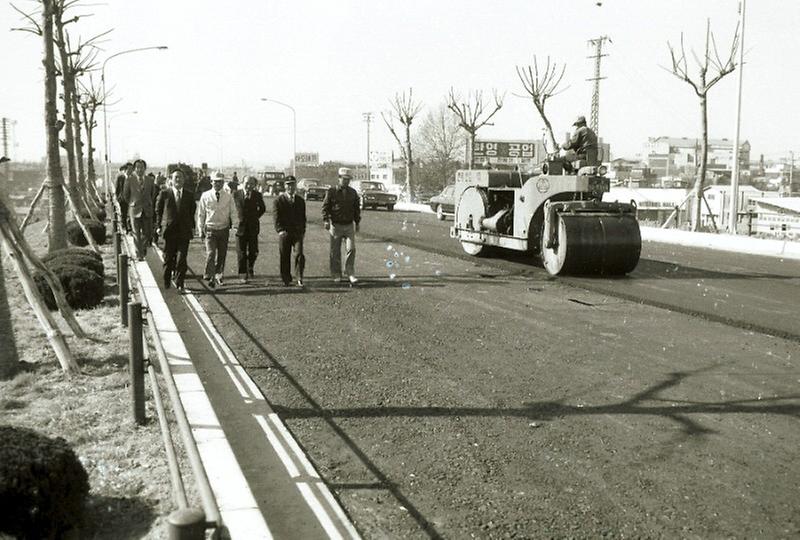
(108, 123)
(294, 132)
(105, 98)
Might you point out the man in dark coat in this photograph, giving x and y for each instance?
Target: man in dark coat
(118, 188)
(290, 224)
(583, 143)
(174, 218)
(341, 215)
(251, 208)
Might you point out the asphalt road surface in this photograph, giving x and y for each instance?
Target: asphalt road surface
(447, 396)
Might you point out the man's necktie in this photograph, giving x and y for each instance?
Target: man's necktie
(217, 194)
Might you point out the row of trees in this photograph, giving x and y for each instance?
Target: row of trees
(454, 123)
(68, 61)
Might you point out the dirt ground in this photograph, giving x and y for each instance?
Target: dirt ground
(130, 494)
(448, 398)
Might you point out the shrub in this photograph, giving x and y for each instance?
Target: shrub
(75, 233)
(70, 251)
(43, 485)
(83, 288)
(101, 215)
(84, 261)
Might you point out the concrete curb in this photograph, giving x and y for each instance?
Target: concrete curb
(785, 249)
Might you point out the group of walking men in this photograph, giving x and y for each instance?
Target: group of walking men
(151, 209)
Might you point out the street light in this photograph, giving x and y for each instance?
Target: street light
(105, 98)
(294, 132)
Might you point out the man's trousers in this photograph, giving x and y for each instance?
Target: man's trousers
(216, 251)
(247, 252)
(287, 243)
(175, 252)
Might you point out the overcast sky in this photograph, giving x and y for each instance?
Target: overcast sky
(333, 60)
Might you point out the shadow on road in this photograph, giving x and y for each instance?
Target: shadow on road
(383, 482)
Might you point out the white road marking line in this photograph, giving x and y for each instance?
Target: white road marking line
(276, 444)
(236, 382)
(254, 389)
(295, 448)
(319, 511)
(326, 493)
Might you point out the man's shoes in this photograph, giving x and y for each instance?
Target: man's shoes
(167, 284)
(300, 282)
(245, 279)
(140, 258)
(181, 289)
(212, 283)
(353, 280)
(218, 277)
(287, 283)
(337, 279)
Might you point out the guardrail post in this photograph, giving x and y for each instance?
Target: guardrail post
(117, 246)
(136, 360)
(122, 284)
(186, 524)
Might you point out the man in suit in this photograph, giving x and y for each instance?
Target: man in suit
(118, 189)
(251, 208)
(174, 217)
(138, 193)
(290, 224)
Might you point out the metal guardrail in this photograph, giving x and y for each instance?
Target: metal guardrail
(185, 523)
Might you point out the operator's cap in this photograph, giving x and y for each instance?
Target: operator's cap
(290, 180)
(344, 172)
(581, 120)
(219, 176)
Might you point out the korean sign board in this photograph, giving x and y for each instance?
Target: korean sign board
(507, 153)
(307, 158)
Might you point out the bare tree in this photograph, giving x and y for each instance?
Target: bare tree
(90, 102)
(440, 140)
(404, 109)
(711, 69)
(473, 114)
(541, 86)
(57, 238)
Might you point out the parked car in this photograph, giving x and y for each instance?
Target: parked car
(443, 203)
(311, 189)
(374, 194)
(271, 182)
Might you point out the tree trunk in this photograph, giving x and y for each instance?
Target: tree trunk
(32, 208)
(90, 172)
(57, 237)
(409, 162)
(701, 178)
(470, 147)
(554, 144)
(68, 84)
(9, 358)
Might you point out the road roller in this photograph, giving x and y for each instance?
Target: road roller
(555, 212)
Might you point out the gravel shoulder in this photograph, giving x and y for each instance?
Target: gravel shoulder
(460, 399)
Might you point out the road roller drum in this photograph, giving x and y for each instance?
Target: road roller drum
(592, 244)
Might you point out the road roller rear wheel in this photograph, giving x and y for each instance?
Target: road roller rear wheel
(593, 244)
(472, 249)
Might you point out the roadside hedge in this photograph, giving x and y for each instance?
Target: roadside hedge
(43, 485)
(83, 288)
(83, 260)
(75, 233)
(71, 251)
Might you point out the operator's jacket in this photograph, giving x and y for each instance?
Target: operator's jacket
(584, 143)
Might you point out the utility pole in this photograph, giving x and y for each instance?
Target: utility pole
(368, 119)
(734, 210)
(6, 136)
(598, 48)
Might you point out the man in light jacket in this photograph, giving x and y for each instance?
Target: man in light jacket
(138, 194)
(216, 214)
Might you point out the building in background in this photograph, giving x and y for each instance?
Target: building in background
(672, 157)
(777, 216)
(381, 167)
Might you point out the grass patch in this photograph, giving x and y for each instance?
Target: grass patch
(130, 494)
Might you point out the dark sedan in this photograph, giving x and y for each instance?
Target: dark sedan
(311, 189)
(374, 194)
(443, 203)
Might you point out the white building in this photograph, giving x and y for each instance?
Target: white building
(777, 216)
(719, 203)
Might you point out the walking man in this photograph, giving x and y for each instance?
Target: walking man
(118, 189)
(341, 214)
(290, 224)
(216, 214)
(252, 208)
(138, 193)
(174, 217)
